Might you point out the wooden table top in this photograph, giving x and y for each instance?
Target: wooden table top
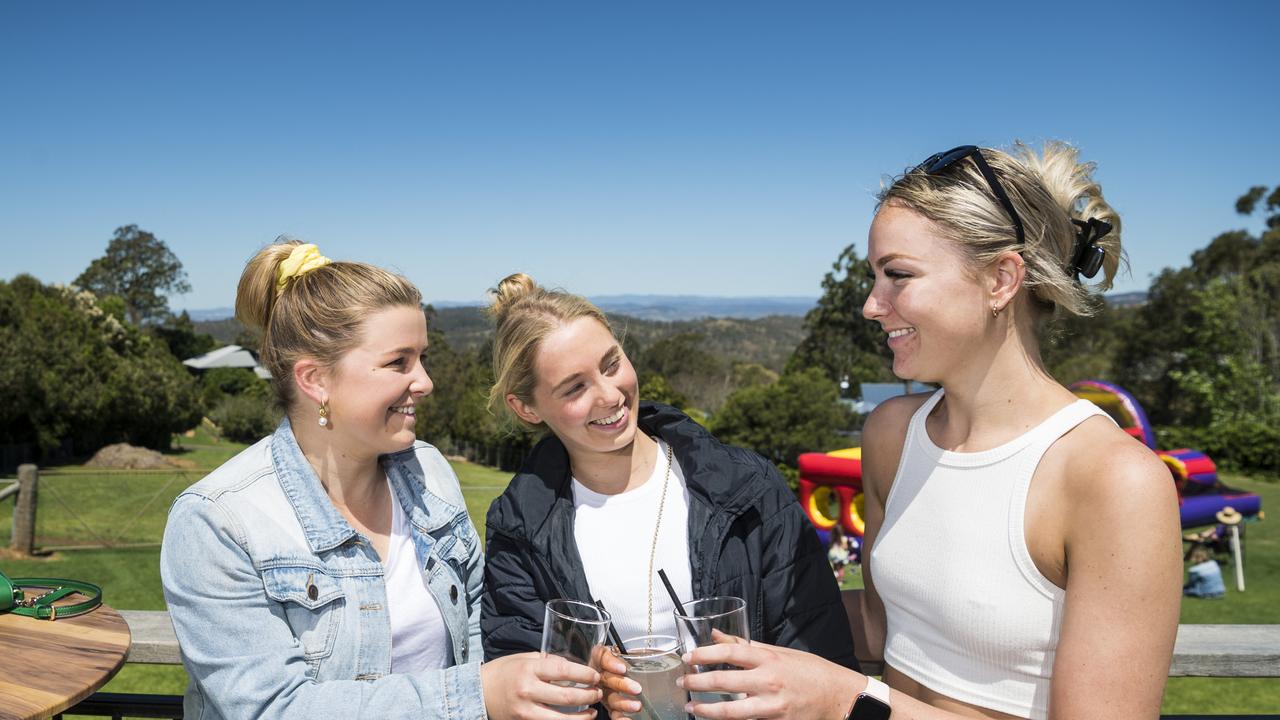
(48, 666)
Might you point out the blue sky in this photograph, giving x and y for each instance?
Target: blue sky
(685, 147)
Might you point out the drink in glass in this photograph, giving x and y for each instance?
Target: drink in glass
(575, 631)
(654, 662)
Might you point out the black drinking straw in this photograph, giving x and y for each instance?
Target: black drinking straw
(666, 582)
(613, 632)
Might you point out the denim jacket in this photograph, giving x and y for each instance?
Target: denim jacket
(280, 605)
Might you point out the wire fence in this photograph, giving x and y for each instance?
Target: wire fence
(88, 508)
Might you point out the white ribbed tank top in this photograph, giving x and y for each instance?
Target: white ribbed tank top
(968, 613)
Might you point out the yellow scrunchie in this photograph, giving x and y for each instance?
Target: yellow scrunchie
(301, 261)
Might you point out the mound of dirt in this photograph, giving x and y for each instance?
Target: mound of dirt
(124, 455)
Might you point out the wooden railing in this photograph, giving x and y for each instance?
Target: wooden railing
(1236, 651)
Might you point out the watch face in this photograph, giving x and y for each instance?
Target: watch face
(869, 708)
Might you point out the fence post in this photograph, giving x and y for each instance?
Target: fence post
(24, 510)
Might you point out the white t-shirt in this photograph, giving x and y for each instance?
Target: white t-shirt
(615, 534)
(419, 638)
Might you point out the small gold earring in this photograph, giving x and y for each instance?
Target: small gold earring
(324, 414)
(995, 311)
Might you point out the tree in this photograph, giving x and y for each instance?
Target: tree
(74, 376)
(455, 416)
(1203, 354)
(656, 388)
(1079, 348)
(839, 341)
(799, 413)
(140, 269)
(180, 334)
(688, 368)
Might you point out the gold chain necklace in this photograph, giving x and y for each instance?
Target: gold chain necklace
(653, 548)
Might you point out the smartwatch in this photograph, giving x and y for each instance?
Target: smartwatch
(872, 703)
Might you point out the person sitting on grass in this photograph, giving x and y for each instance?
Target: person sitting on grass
(1204, 576)
(331, 570)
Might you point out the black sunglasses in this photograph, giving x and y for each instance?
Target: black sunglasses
(938, 162)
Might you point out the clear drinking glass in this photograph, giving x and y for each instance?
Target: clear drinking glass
(695, 625)
(574, 630)
(654, 662)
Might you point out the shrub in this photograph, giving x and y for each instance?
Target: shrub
(244, 418)
(218, 383)
(1245, 444)
(73, 375)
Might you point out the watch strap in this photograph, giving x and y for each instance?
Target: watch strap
(871, 703)
(876, 689)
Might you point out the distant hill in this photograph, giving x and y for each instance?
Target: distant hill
(1127, 299)
(221, 313)
(647, 307)
(225, 330)
(692, 307)
(768, 341)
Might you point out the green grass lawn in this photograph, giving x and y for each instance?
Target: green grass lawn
(82, 506)
(1258, 604)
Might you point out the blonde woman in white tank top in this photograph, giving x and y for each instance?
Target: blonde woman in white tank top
(1025, 559)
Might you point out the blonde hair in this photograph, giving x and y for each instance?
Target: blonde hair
(526, 313)
(1048, 189)
(319, 314)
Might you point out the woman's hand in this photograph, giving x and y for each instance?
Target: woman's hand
(778, 682)
(621, 694)
(520, 687)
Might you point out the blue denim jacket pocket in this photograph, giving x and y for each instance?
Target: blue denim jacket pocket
(313, 603)
(454, 551)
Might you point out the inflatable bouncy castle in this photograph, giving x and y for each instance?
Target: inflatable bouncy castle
(831, 492)
(1200, 493)
(831, 483)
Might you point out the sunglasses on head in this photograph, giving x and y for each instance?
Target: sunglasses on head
(938, 162)
(1086, 256)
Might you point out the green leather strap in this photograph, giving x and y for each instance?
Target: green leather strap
(13, 597)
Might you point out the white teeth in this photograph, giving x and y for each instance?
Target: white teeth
(900, 333)
(611, 419)
(405, 410)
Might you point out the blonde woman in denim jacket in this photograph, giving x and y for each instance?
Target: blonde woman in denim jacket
(331, 570)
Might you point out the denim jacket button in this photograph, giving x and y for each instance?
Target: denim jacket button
(453, 594)
(312, 592)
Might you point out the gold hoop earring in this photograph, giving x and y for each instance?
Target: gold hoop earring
(324, 414)
(995, 311)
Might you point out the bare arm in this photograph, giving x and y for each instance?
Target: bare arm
(1124, 565)
(882, 440)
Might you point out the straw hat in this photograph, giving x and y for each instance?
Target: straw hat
(1229, 516)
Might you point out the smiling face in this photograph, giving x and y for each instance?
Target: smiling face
(586, 389)
(373, 388)
(929, 303)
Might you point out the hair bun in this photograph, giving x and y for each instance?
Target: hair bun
(509, 291)
(256, 293)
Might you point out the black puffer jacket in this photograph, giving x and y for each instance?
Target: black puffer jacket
(747, 537)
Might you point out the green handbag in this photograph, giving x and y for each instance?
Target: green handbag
(13, 599)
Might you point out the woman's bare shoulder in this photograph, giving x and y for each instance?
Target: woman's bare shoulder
(1111, 469)
(883, 435)
(888, 422)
